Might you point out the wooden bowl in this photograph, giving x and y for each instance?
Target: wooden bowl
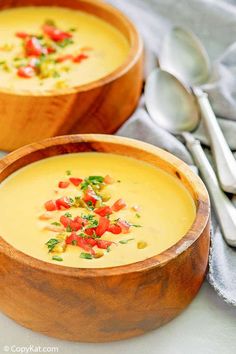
(97, 107)
(106, 304)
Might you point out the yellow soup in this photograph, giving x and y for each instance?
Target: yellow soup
(48, 48)
(93, 210)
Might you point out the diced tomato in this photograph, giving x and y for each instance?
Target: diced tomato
(63, 203)
(33, 47)
(125, 226)
(50, 50)
(83, 244)
(63, 184)
(80, 57)
(90, 196)
(55, 34)
(50, 205)
(102, 226)
(91, 241)
(108, 179)
(71, 238)
(103, 211)
(65, 221)
(75, 226)
(90, 231)
(64, 58)
(75, 181)
(22, 35)
(118, 205)
(103, 244)
(80, 220)
(114, 229)
(26, 72)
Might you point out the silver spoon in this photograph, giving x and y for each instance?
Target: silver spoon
(184, 56)
(172, 107)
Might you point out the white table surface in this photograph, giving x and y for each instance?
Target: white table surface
(207, 326)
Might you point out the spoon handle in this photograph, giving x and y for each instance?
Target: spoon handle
(224, 209)
(224, 159)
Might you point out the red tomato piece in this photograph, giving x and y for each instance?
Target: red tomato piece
(75, 226)
(64, 58)
(83, 244)
(91, 241)
(26, 72)
(63, 184)
(90, 196)
(125, 226)
(71, 238)
(103, 244)
(103, 211)
(22, 35)
(80, 57)
(55, 34)
(114, 229)
(118, 205)
(102, 226)
(90, 232)
(50, 205)
(33, 47)
(80, 220)
(50, 50)
(75, 181)
(63, 203)
(65, 221)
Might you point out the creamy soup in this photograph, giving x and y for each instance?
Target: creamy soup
(48, 48)
(93, 210)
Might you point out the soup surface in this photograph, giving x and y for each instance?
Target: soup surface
(93, 210)
(48, 48)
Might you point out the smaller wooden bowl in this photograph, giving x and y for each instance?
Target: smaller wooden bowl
(97, 107)
(105, 304)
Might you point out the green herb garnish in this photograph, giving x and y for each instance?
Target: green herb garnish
(135, 225)
(88, 216)
(123, 242)
(86, 255)
(92, 181)
(65, 42)
(51, 244)
(68, 229)
(56, 223)
(50, 22)
(57, 258)
(138, 215)
(56, 74)
(93, 223)
(68, 173)
(68, 215)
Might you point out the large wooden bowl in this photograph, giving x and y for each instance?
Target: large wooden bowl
(107, 304)
(97, 107)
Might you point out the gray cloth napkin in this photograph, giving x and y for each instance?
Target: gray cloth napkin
(215, 23)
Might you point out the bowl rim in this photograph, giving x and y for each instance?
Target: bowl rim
(199, 225)
(135, 51)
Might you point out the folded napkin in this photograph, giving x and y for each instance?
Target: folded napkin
(215, 23)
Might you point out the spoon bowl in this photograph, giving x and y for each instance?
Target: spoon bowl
(184, 56)
(169, 103)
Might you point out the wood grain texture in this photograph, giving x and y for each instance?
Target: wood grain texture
(96, 305)
(98, 107)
